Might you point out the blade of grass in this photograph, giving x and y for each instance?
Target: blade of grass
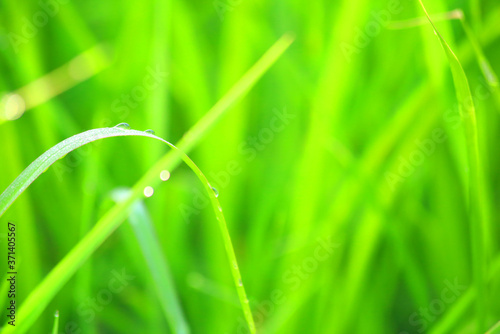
(40, 297)
(109, 222)
(457, 14)
(50, 85)
(246, 82)
(495, 329)
(484, 64)
(372, 160)
(377, 153)
(457, 312)
(37, 167)
(157, 104)
(192, 136)
(419, 21)
(158, 266)
(55, 329)
(476, 190)
(475, 7)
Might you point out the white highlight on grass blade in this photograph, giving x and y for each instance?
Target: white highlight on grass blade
(148, 191)
(164, 175)
(12, 106)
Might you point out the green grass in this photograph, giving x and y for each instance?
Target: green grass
(55, 329)
(157, 264)
(306, 144)
(41, 296)
(477, 193)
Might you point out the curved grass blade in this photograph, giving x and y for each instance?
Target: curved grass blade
(146, 236)
(46, 290)
(104, 227)
(457, 14)
(58, 151)
(477, 207)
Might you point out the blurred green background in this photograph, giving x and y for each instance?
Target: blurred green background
(342, 174)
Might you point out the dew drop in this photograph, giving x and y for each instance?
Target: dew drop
(235, 265)
(240, 283)
(149, 131)
(164, 175)
(220, 209)
(123, 126)
(216, 192)
(56, 314)
(148, 191)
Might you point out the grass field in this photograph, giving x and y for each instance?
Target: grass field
(330, 167)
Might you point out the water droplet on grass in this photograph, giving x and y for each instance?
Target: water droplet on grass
(151, 132)
(148, 191)
(240, 283)
(123, 126)
(216, 192)
(164, 175)
(56, 314)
